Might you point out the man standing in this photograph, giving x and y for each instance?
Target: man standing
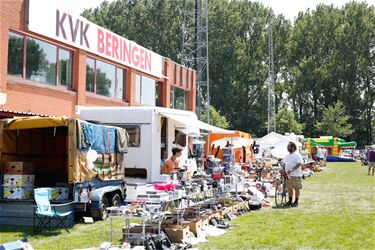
(293, 167)
(371, 160)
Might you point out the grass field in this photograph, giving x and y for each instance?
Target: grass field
(336, 212)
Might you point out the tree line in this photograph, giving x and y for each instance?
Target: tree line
(324, 61)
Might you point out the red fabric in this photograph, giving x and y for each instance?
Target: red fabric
(216, 176)
(165, 187)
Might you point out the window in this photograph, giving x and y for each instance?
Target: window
(145, 90)
(44, 62)
(148, 91)
(15, 54)
(134, 132)
(138, 89)
(65, 67)
(178, 98)
(40, 61)
(158, 95)
(90, 74)
(140, 173)
(104, 79)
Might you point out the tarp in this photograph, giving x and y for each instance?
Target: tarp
(34, 122)
(76, 165)
(215, 136)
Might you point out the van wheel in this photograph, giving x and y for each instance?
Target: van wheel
(103, 213)
(115, 200)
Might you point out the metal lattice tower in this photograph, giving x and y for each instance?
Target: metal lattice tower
(195, 49)
(271, 80)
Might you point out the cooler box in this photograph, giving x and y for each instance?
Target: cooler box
(18, 167)
(18, 180)
(135, 189)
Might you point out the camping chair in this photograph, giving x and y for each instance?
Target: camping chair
(45, 213)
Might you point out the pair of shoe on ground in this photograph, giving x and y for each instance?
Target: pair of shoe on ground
(290, 204)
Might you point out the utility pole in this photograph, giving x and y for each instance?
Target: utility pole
(271, 79)
(195, 50)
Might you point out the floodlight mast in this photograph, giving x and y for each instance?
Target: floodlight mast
(271, 79)
(195, 50)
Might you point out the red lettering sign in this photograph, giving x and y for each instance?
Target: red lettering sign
(123, 50)
(108, 44)
(100, 41)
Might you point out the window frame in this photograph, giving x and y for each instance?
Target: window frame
(173, 97)
(141, 88)
(127, 126)
(58, 47)
(117, 67)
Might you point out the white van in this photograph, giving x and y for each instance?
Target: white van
(151, 129)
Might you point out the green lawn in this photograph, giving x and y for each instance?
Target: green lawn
(336, 212)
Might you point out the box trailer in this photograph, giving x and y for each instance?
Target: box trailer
(82, 162)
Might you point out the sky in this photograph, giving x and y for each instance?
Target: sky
(289, 8)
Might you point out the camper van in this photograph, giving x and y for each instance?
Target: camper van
(151, 130)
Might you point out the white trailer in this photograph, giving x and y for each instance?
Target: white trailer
(151, 129)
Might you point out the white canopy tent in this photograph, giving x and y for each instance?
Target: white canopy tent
(270, 139)
(276, 144)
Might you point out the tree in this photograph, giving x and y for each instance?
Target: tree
(286, 122)
(216, 119)
(326, 55)
(335, 121)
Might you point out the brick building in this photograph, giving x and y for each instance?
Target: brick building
(51, 63)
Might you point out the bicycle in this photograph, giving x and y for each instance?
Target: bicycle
(281, 192)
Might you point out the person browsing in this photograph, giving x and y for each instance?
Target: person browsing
(320, 156)
(371, 161)
(293, 167)
(171, 165)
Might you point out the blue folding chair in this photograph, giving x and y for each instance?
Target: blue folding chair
(45, 213)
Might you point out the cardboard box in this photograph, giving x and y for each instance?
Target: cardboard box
(139, 229)
(18, 180)
(235, 208)
(178, 234)
(205, 221)
(11, 193)
(195, 226)
(18, 167)
(59, 193)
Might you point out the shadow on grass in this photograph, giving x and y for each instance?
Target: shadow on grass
(281, 207)
(26, 232)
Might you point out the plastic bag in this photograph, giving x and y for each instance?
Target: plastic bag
(91, 157)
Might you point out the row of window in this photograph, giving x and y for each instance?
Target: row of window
(39, 61)
(104, 79)
(43, 62)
